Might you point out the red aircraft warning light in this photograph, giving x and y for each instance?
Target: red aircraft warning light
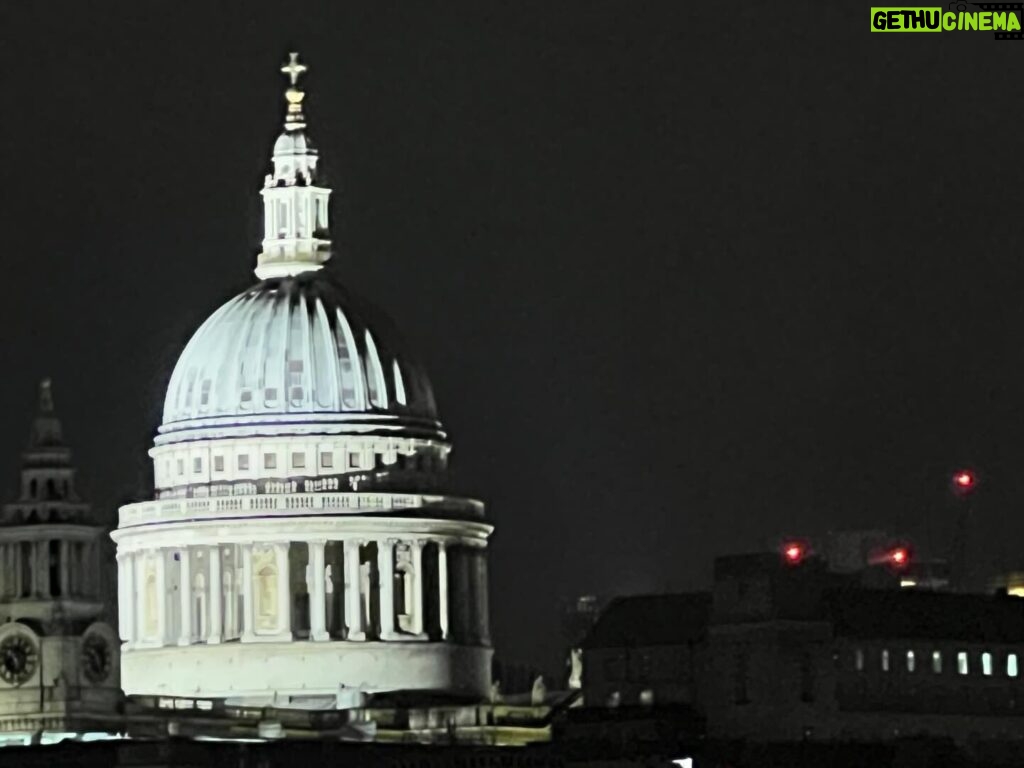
(964, 481)
(899, 557)
(793, 552)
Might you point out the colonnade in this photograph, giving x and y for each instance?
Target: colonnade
(354, 589)
(46, 568)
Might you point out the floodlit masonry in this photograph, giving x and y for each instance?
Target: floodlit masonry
(301, 549)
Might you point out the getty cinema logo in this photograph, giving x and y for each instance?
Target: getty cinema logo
(1004, 19)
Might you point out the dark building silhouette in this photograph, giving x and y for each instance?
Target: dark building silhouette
(789, 652)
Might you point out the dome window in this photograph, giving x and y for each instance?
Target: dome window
(218, 463)
(298, 460)
(270, 461)
(353, 460)
(181, 467)
(326, 459)
(243, 462)
(197, 465)
(270, 396)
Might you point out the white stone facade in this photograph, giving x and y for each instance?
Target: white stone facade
(302, 548)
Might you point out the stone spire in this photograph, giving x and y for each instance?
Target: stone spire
(46, 430)
(47, 472)
(295, 231)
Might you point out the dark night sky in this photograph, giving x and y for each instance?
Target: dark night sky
(684, 277)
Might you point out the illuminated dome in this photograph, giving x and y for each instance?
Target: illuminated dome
(299, 349)
(302, 547)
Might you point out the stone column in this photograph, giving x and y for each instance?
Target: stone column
(138, 600)
(442, 587)
(41, 569)
(317, 598)
(161, 596)
(284, 593)
(122, 583)
(463, 596)
(386, 579)
(353, 600)
(19, 584)
(483, 603)
(246, 587)
(416, 550)
(213, 600)
(90, 583)
(185, 595)
(5, 569)
(65, 568)
(126, 602)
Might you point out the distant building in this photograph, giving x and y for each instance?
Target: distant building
(794, 651)
(647, 649)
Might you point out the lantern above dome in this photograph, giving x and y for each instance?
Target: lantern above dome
(296, 235)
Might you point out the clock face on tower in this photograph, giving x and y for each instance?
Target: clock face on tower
(18, 658)
(96, 658)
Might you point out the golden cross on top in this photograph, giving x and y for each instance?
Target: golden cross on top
(293, 68)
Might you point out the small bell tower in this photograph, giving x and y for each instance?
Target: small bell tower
(59, 657)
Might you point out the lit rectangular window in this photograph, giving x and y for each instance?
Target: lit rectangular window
(270, 461)
(218, 463)
(326, 459)
(961, 663)
(858, 659)
(243, 461)
(1011, 665)
(885, 659)
(911, 661)
(937, 662)
(197, 465)
(986, 664)
(298, 460)
(353, 460)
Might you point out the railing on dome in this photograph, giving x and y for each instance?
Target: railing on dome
(170, 510)
(381, 481)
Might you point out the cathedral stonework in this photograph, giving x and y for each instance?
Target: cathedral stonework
(301, 549)
(59, 670)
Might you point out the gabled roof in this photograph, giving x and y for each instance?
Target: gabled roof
(641, 620)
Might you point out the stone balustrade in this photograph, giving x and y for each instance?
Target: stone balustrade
(264, 505)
